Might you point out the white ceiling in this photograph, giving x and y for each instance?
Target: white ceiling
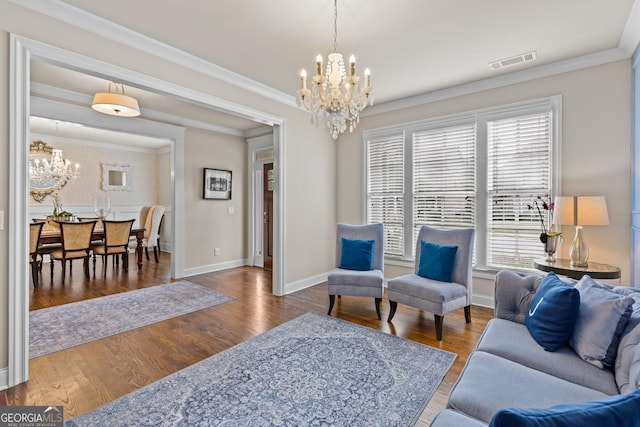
(412, 47)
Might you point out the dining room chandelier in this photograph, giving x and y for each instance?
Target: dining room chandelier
(49, 169)
(335, 98)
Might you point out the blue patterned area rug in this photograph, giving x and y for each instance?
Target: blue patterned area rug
(314, 370)
(56, 328)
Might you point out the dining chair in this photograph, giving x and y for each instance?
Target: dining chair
(152, 231)
(116, 242)
(76, 244)
(35, 259)
(442, 280)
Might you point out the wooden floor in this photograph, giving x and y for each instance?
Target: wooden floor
(85, 377)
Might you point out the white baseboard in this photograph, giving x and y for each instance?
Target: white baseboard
(4, 378)
(483, 301)
(307, 282)
(215, 267)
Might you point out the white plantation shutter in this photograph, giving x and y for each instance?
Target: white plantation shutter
(518, 171)
(385, 189)
(444, 177)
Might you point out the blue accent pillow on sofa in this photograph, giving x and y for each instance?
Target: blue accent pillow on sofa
(553, 312)
(357, 254)
(614, 411)
(436, 261)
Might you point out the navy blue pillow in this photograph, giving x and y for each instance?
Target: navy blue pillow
(553, 313)
(357, 254)
(616, 411)
(436, 261)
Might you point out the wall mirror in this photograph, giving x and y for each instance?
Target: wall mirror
(116, 178)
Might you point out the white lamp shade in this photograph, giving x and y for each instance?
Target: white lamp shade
(592, 211)
(580, 210)
(563, 210)
(115, 104)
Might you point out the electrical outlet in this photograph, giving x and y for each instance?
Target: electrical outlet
(216, 251)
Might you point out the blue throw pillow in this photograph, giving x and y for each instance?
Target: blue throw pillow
(357, 254)
(614, 411)
(436, 261)
(553, 313)
(603, 316)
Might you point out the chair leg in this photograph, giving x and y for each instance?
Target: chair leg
(439, 321)
(146, 252)
(378, 300)
(155, 253)
(332, 300)
(392, 311)
(34, 273)
(467, 314)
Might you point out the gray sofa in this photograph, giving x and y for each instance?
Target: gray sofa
(509, 369)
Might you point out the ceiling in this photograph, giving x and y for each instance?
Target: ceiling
(412, 47)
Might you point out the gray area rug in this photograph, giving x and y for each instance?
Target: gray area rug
(314, 370)
(56, 328)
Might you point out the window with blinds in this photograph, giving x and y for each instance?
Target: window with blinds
(477, 169)
(385, 189)
(444, 177)
(518, 171)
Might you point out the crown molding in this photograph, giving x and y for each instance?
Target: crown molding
(86, 142)
(83, 99)
(573, 64)
(87, 21)
(631, 35)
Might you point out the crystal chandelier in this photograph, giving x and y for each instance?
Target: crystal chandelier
(47, 168)
(334, 98)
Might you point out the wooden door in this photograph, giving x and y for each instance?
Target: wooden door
(267, 228)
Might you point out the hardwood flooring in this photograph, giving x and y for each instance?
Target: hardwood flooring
(85, 377)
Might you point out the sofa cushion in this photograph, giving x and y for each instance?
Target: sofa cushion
(513, 294)
(489, 383)
(627, 366)
(553, 312)
(357, 254)
(602, 317)
(449, 418)
(436, 261)
(613, 411)
(511, 341)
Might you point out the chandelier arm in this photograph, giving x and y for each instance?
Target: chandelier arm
(335, 25)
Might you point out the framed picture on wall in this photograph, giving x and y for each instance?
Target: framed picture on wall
(217, 184)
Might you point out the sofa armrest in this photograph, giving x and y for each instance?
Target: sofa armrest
(513, 294)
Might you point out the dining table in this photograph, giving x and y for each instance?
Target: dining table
(52, 235)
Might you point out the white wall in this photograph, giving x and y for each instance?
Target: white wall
(210, 223)
(90, 156)
(595, 152)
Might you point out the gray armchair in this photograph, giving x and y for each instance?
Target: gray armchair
(364, 283)
(434, 296)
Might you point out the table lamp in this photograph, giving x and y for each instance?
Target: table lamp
(580, 211)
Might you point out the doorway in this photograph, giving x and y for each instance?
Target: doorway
(267, 226)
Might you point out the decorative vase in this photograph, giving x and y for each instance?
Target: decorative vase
(550, 247)
(579, 252)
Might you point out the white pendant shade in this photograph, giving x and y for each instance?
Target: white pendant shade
(116, 103)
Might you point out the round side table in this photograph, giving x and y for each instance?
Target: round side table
(594, 269)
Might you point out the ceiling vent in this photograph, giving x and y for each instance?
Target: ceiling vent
(514, 60)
